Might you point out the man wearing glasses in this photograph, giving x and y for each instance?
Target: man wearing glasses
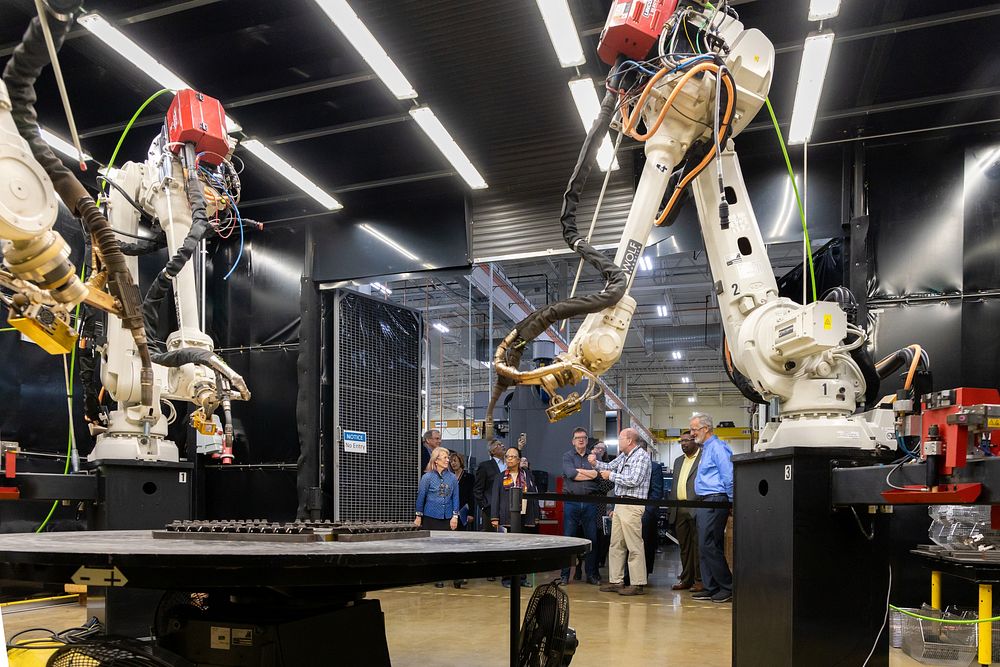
(630, 472)
(714, 482)
(580, 478)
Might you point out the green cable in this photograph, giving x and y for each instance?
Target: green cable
(76, 314)
(944, 620)
(128, 127)
(798, 200)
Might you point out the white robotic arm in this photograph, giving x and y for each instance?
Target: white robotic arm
(793, 353)
(160, 187)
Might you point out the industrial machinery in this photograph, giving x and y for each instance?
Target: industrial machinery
(686, 78)
(185, 179)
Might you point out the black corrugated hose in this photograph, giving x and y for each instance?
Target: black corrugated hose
(616, 281)
(20, 74)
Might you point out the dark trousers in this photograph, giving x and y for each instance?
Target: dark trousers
(687, 535)
(582, 516)
(650, 536)
(484, 520)
(715, 572)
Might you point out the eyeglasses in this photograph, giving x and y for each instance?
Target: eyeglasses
(512, 456)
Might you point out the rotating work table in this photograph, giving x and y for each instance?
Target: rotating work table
(275, 587)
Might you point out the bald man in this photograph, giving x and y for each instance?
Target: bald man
(630, 473)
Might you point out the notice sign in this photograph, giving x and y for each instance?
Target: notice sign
(356, 441)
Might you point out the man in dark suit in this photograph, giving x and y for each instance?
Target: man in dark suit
(486, 474)
(430, 441)
(685, 471)
(650, 534)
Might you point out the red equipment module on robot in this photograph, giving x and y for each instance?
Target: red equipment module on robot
(633, 27)
(196, 118)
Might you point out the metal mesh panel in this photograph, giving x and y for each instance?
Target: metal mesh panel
(377, 392)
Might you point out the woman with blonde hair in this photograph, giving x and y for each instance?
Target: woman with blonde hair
(437, 496)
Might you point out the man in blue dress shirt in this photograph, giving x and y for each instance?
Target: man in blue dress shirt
(714, 482)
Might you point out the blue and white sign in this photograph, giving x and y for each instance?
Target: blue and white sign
(356, 441)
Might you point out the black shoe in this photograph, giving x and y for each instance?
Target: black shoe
(564, 581)
(595, 581)
(439, 584)
(722, 596)
(525, 583)
(702, 595)
(505, 583)
(459, 583)
(579, 574)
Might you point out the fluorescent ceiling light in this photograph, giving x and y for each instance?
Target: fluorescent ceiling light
(459, 407)
(63, 146)
(433, 128)
(379, 287)
(686, 379)
(692, 399)
(294, 176)
(812, 72)
(389, 242)
(589, 106)
(661, 310)
(676, 354)
(562, 32)
(820, 10)
(440, 327)
(100, 27)
(365, 43)
(645, 263)
(423, 392)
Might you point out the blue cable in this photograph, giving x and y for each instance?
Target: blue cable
(240, 253)
(690, 61)
(232, 202)
(899, 442)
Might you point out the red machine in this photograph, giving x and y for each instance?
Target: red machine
(550, 521)
(633, 27)
(196, 118)
(952, 422)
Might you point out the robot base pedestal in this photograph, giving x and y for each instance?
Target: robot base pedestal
(135, 495)
(810, 589)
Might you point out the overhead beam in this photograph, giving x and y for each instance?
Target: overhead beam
(154, 12)
(341, 128)
(247, 100)
(897, 27)
(354, 187)
(913, 103)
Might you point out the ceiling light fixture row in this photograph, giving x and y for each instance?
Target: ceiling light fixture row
(101, 28)
(812, 72)
(566, 42)
(369, 48)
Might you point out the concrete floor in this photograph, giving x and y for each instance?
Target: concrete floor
(433, 627)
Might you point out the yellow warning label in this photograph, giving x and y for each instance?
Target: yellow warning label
(993, 422)
(828, 321)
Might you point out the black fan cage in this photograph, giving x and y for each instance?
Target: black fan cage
(104, 654)
(544, 631)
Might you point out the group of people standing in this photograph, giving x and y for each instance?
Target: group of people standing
(448, 497)
(704, 471)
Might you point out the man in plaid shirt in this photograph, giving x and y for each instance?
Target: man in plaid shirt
(630, 473)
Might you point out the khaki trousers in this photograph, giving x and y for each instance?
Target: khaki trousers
(626, 539)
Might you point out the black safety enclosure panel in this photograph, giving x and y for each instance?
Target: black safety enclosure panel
(376, 391)
(254, 319)
(935, 208)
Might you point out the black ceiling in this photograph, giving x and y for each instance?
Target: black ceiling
(489, 72)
